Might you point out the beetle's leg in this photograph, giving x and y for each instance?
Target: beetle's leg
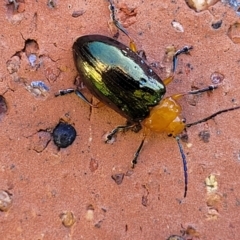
(78, 93)
(64, 92)
(146, 132)
(114, 132)
(134, 161)
(132, 44)
(118, 129)
(184, 160)
(185, 50)
(114, 20)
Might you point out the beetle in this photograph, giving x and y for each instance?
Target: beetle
(118, 77)
(122, 80)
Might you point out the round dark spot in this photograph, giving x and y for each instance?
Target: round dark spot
(64, 134)
(217, 24)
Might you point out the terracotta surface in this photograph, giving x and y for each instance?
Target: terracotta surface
(44, 183)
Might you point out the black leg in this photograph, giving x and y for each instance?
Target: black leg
(114, 20)
(185, 50)
(134, 161)
(132, 44)
(118, 129)
(184, 160)
(78, 93)
(64, 92)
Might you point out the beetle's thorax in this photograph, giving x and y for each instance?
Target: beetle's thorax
(165, 117)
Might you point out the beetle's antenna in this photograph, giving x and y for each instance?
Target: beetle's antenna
(206, 89)
(212, 116)
(184, 160)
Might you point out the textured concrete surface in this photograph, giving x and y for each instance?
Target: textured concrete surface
(69, 193)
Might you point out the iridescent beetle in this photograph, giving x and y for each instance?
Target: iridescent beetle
(118, 77)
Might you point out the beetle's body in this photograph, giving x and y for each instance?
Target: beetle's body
(117, 76)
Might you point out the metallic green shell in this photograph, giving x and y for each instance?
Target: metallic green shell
(117, 76)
